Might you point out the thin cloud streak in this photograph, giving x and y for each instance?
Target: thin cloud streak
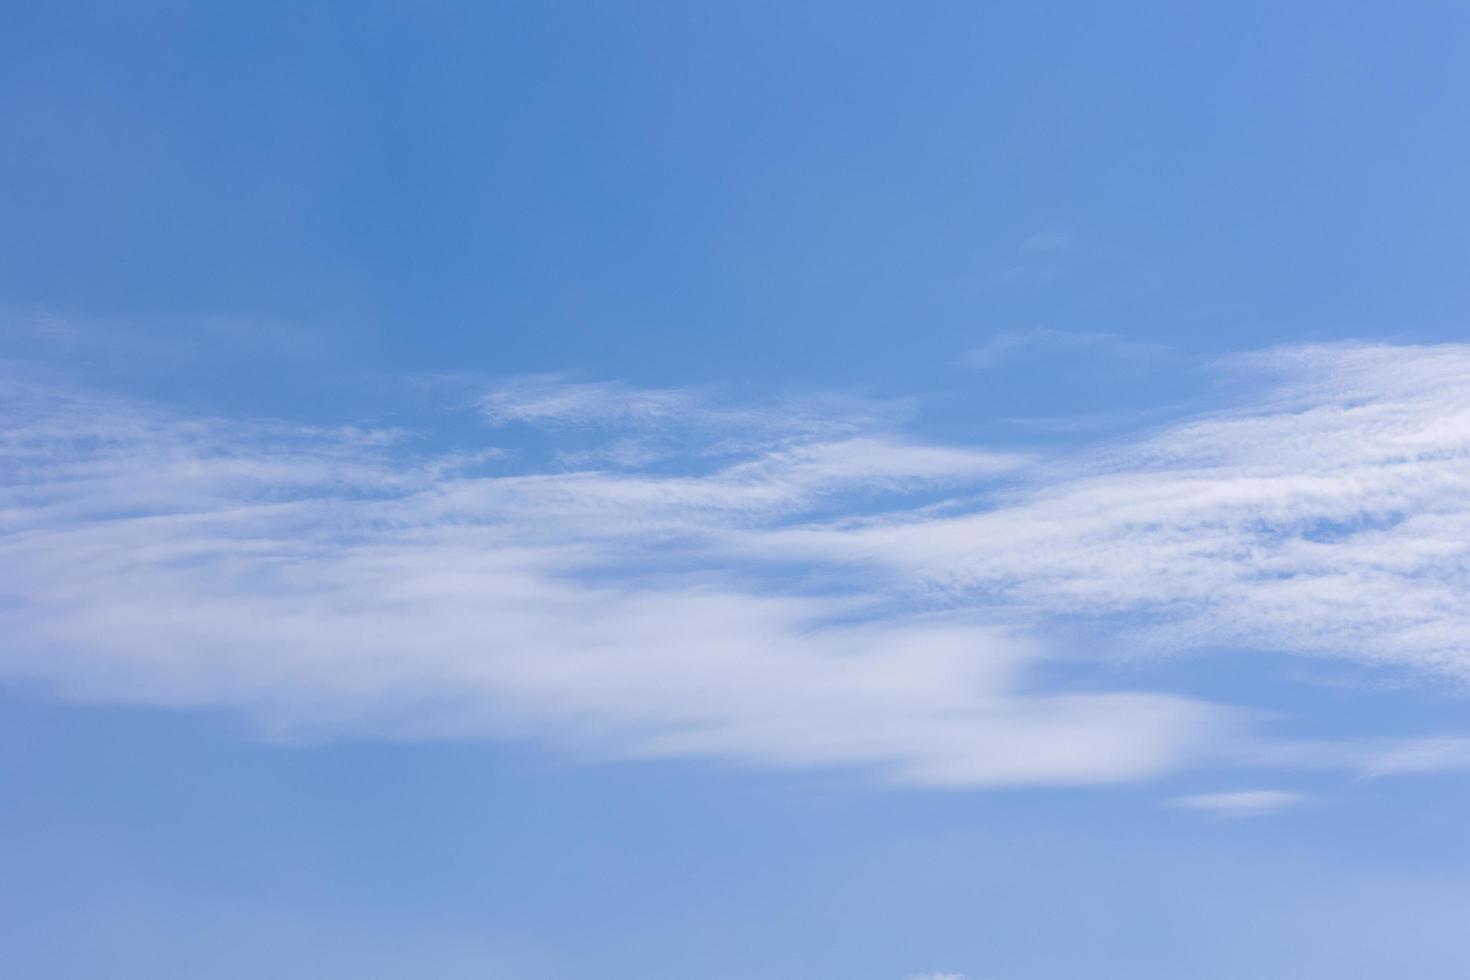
(1241, 803)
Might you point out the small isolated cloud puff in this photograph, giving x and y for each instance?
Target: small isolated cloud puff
(1245, 803)
(936, 976)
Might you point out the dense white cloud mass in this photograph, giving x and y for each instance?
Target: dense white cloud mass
(335, 580)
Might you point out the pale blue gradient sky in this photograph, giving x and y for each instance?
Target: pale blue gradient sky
(587, 332)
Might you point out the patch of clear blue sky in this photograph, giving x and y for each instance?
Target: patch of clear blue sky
(288, 208)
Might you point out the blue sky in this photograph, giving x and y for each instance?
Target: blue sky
(852, 491)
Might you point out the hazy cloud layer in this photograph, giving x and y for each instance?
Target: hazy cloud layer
(770, 593)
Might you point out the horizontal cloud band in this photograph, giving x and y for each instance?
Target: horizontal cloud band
(749, 583)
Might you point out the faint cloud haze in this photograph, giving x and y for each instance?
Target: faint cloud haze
(1047, 242)
(1043, 341)
(1245, 803)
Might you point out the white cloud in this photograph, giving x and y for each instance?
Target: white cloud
(1330, 518)
(1434, 754)
(333, 580)
(1244, 803)
(552, 399)
(306, 578)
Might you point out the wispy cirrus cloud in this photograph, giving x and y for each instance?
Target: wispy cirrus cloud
(780, 601)
(1327, 518)
(632, 427)
(552, 399)
(1241, 803)
(319, 584)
